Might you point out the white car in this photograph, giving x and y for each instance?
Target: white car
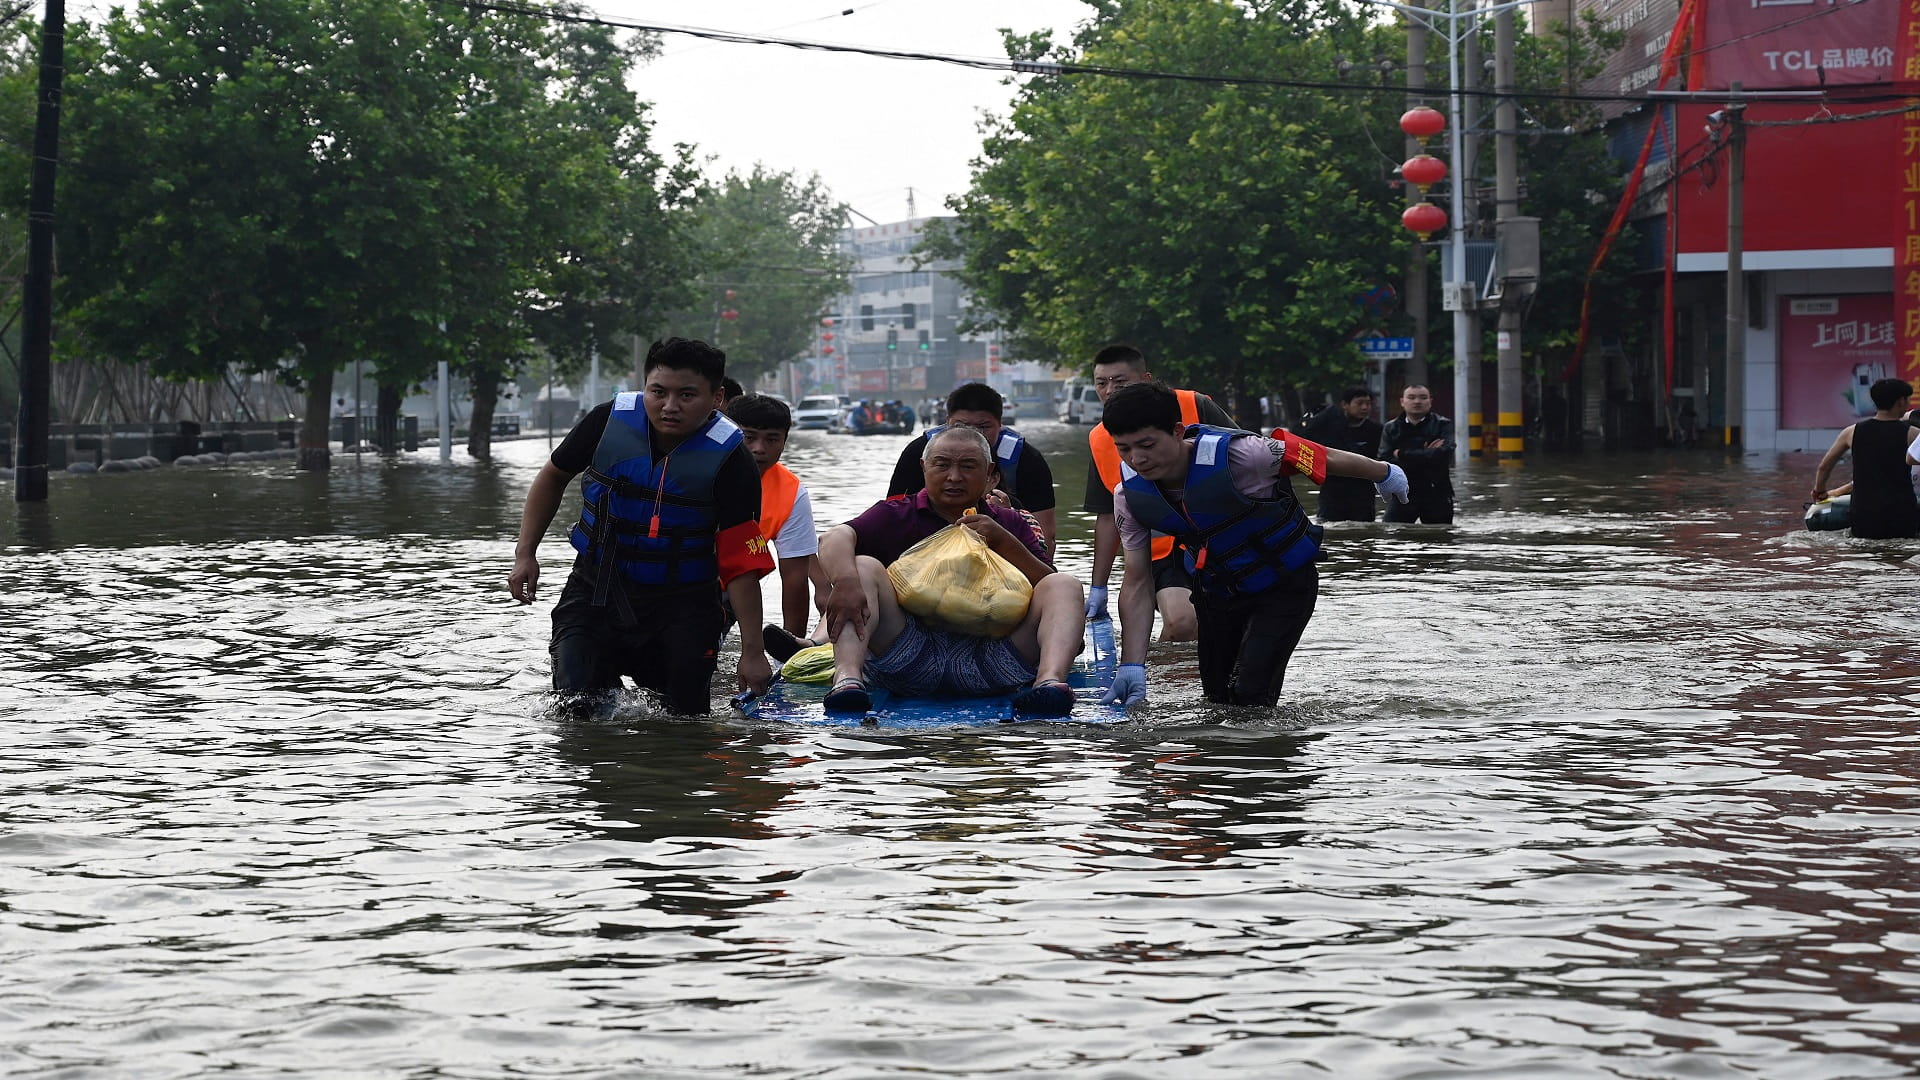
(1081, 405)
(818, 413)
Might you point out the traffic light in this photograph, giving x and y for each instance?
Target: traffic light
(866, 316)
(906, 316)
(925, 341)
(893, 339)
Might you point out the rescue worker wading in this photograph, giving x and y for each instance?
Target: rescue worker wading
(1227, 497)
(670, 502)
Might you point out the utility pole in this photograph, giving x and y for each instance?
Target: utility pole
(1736, 273)
(1417, 269)
(36, 367)
(1506, 149)
(1473, 439)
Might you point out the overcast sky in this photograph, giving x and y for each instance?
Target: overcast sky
(871, 127)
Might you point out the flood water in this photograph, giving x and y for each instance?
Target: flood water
(1619, 777)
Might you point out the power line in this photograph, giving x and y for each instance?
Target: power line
(1050, 67)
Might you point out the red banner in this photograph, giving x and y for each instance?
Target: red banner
(1906, 204)
(1776, 44)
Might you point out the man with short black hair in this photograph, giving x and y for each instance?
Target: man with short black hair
(1227, 496)
(1420, 441)
(786, 506)
(1025, 478)
(1352, 428)
(1114, 367)
(670, 517)
(1884, 449)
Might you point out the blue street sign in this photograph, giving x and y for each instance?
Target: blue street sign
(1387, 348)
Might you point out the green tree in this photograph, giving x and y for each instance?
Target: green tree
(769, 250)
(1226, 229)
(286, 185)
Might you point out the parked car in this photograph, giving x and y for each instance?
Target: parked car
(1009, 412)
(818, 413)
(1081, 405)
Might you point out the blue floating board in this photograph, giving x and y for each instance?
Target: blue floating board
(1091, 674)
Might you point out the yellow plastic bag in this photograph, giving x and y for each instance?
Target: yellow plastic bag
(813, 664)
(952, 580)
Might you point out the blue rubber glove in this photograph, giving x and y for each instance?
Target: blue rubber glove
(1395, 485)
(1129, 686)
(1097, 602)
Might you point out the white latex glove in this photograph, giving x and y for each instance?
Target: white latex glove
(1129, 686)
(1097, 602)
(1395, 485)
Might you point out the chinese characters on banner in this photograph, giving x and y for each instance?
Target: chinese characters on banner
(1776, 44)
(1906, 230)
(1832, 349)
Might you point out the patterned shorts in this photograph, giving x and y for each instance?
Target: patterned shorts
(925, 662)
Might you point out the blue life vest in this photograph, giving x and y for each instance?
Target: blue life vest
(1006, 449)
(1235, 545)
(651, 523)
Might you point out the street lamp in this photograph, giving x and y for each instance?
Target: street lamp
(1459, 297)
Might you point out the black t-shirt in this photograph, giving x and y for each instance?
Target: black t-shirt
(1099, 498)
(736, 488)
(1032, 477)
(1332, 428)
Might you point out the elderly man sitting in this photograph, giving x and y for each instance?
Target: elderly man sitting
(875, 641)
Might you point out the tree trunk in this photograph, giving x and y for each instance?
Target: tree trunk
(485, 388)
(314, 453)
(386, 424)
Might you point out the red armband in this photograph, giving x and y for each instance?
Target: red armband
(1303, 456)
(740, 549)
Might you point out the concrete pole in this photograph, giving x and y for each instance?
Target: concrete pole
(443, 405)
(593, 375)
(1418, 270)
(1736, 272)
(30, 449)
(1506, 148)
(1473, 71)
(1463, 329)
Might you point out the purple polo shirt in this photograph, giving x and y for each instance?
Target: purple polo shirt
(888, 528)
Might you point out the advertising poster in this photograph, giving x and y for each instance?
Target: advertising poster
(1832, 348)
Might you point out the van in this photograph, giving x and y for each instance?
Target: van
(1080, 404)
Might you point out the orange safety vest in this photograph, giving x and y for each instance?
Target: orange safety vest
(779, 489)
(1106, 458)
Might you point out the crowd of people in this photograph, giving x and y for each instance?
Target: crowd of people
(686, 506)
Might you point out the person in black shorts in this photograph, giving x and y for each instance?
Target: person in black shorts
(1114, 367)
(671, 502)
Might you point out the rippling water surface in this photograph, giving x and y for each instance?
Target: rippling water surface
(1616, 778)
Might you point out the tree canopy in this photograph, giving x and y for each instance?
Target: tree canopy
(286, 185)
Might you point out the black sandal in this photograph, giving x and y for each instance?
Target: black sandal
(848, 696)
(780, 644)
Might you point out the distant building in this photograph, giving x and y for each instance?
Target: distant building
(897, 335)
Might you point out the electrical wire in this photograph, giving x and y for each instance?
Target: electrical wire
(1031, 67)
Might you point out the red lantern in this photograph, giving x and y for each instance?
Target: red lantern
(1422, 122)
(993, 350)
(828, 336)
(826, 322)
(1423, 171)
(731, 294)
(729, 314)
(826, 350)
(1424, 219)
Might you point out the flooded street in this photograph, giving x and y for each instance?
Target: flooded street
(1618, 777)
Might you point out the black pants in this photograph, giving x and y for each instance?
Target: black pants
(1245, 643)
(1346, 499)
(666, 643)
(1430, 501)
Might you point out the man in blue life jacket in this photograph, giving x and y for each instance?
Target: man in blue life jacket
(671, 502)
(1226, 496)
(1026, 479)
